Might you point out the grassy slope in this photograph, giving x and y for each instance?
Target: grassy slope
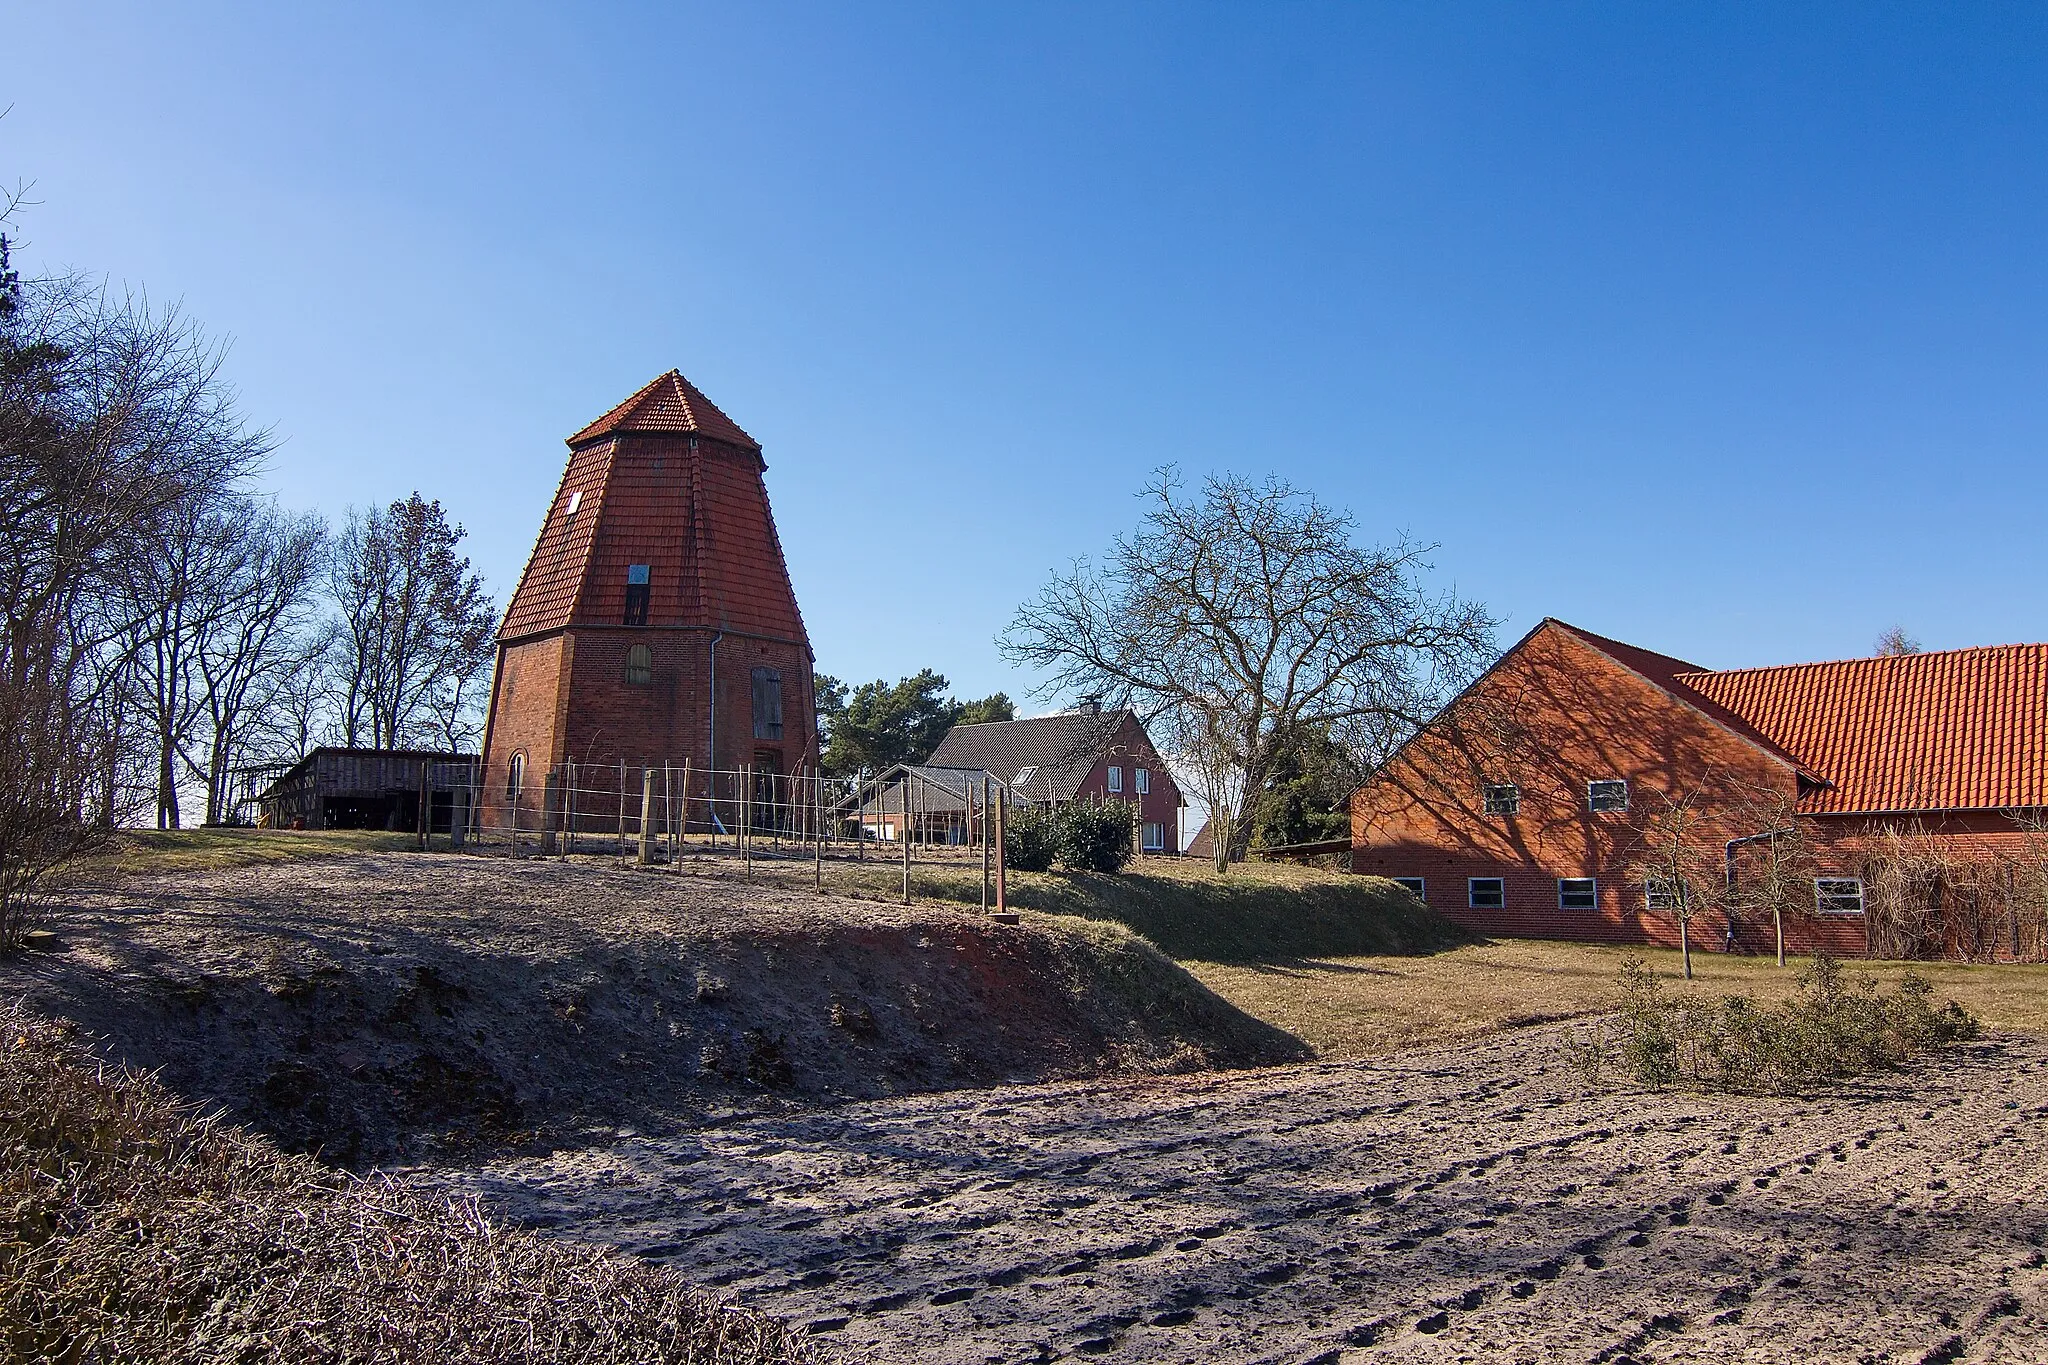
(141, 851)
(1256, 913)
(1364, 1006)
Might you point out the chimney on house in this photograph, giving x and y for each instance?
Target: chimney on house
(1091, 706)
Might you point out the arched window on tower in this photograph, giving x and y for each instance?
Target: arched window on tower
(515, 778)
(639, 665)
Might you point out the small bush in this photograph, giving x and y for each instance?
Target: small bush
(1031, 837)
(1096, 837)
(1829, 1030)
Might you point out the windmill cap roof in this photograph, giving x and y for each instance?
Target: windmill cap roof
(669, 404)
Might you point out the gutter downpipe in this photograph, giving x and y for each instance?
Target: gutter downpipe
(711, 724)
(1777, 914)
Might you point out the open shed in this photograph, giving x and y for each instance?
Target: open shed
(371, 789)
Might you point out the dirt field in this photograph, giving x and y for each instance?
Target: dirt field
(1467, 1205)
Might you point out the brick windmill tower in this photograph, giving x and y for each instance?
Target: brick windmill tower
(655, 622)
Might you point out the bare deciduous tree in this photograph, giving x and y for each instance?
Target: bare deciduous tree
(1896, 642)
(1773, 872)
(112, 415)
(1236, 616)
(410, 617)
(1673, 859)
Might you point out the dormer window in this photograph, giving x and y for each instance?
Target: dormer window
(636, 594)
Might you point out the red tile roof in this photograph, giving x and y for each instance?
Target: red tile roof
(1963, 729)
(698, 517)
(669, 404)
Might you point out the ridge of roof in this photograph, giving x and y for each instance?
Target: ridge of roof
(1904, 660)
(667, 403)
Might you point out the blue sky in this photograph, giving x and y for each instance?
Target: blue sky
(1719, 329)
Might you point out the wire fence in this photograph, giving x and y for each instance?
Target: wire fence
(747, 820)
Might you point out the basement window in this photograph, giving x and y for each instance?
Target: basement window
(639, 665)
(636, 594)
(1661, 893)
(1414, 884)
(1578, 893)
(1503, 800)
(1607, 794)
(1838, 895)
(1486, 893)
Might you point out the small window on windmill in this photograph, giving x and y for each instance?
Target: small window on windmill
(636, 594)
(575, 501)
(639, 665)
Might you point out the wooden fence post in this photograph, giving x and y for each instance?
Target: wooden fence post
(646, 817)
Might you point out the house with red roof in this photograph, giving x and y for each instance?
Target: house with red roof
(655, 623)
(1893, 805)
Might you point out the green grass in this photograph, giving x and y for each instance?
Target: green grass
(135, 852)
(1254, 913)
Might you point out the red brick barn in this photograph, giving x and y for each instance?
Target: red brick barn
(655, 622)
(1914, 786)
(1083, 755)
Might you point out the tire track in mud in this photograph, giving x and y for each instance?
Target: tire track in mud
(1474, 1204)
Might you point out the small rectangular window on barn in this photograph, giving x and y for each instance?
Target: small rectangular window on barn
(1414, 884)
(1607, 794)
(1661, 893)
(1504, 800)
(767, 704)
(636, 594)
(1578, 893)
(1485, 893)
(1838, 895)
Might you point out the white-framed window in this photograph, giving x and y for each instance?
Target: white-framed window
(1608, 793)
(1578, 893)
(1505, 799)
(1662, 893)
(1154, 836)
(1141, 778)
(1838, 895)
(1116, 778)
(1412, 883)
(575, 501)
(1486, 893)
(1024, 775)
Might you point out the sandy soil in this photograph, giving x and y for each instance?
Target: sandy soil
(399, 1007)
(1475, 1204)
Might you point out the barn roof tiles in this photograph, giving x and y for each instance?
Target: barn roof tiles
(1960, 729)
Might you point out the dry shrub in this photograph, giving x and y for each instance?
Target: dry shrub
(139, 1231)
(1828, 1030)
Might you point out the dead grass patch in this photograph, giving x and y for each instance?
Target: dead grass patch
(1368, 1006)
(139, 1231)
